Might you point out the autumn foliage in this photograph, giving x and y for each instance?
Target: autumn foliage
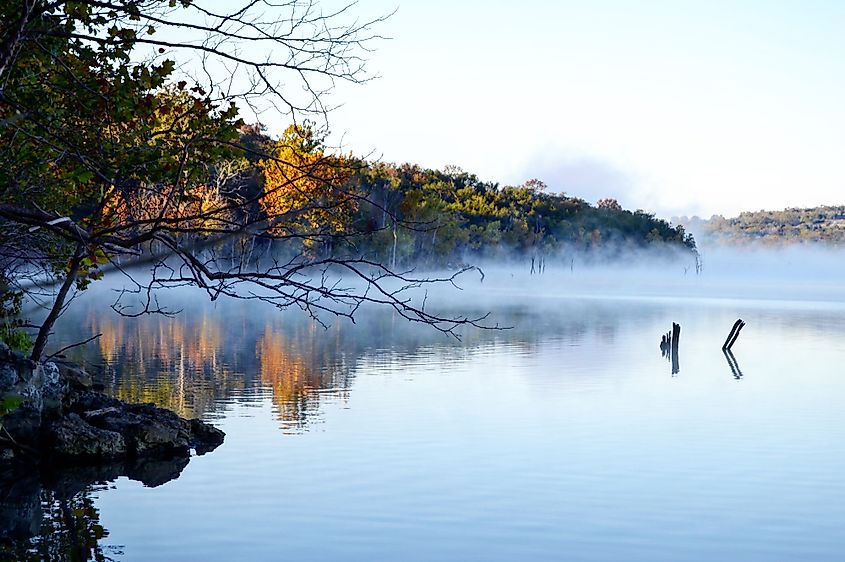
(304, 187)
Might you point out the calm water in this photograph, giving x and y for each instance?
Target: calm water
(567, 437)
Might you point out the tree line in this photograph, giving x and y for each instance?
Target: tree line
(795, 225)
(404, 214)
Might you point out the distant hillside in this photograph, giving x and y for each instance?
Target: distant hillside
(816, 224)
(405, 215)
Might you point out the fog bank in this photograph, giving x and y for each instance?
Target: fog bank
(789, 274)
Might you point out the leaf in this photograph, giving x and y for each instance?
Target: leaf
(167, 67)
(84, 176)
(9, 403)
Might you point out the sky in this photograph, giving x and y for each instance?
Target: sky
(674, 107)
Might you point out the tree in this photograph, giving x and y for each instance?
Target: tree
(609, 203)
(119, 117)
(304, 186)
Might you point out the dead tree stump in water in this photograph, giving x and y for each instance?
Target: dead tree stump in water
(669, 347)
(733, 335)
(676, 337)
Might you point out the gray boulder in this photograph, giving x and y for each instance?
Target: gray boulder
(73, 437)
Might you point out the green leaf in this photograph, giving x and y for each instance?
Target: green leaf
(9, 403)
(167, 67)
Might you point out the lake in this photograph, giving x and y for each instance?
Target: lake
(567, 436)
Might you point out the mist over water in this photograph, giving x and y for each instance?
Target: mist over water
(800, 274)
(569, 432)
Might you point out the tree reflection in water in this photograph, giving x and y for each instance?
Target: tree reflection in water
(196, 361)
(51, 515)
(208, 356)
(297, 366)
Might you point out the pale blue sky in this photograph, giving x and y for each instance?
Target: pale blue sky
(674, 107)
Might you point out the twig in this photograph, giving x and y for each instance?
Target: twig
(65, 348)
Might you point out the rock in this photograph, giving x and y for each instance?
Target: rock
(59, 436)
(73, 437)
(87, 401)
(60, 416)
(75, 377)
(26, 369)
(101, 412)
(8, 376)
(53, 390)
(207, 437)
(147, 430)
(23, 424)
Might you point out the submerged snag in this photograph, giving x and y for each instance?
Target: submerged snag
(733, 335)
(669, 346)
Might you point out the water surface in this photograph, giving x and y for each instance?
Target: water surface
(566, 437)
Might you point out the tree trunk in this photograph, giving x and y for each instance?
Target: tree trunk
(58, 304)
(395, 238)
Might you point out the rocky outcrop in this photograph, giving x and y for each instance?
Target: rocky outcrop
(54, 411)
(73, 437)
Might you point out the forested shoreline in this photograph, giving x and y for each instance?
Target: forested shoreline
(407, 214)
(795, 225)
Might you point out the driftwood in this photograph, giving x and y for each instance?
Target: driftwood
(733, 335)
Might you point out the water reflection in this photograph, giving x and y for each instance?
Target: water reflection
(174, 363)
(210, 355)
(52, 515)
(203, 358)
(297, 365)
(732, 364)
